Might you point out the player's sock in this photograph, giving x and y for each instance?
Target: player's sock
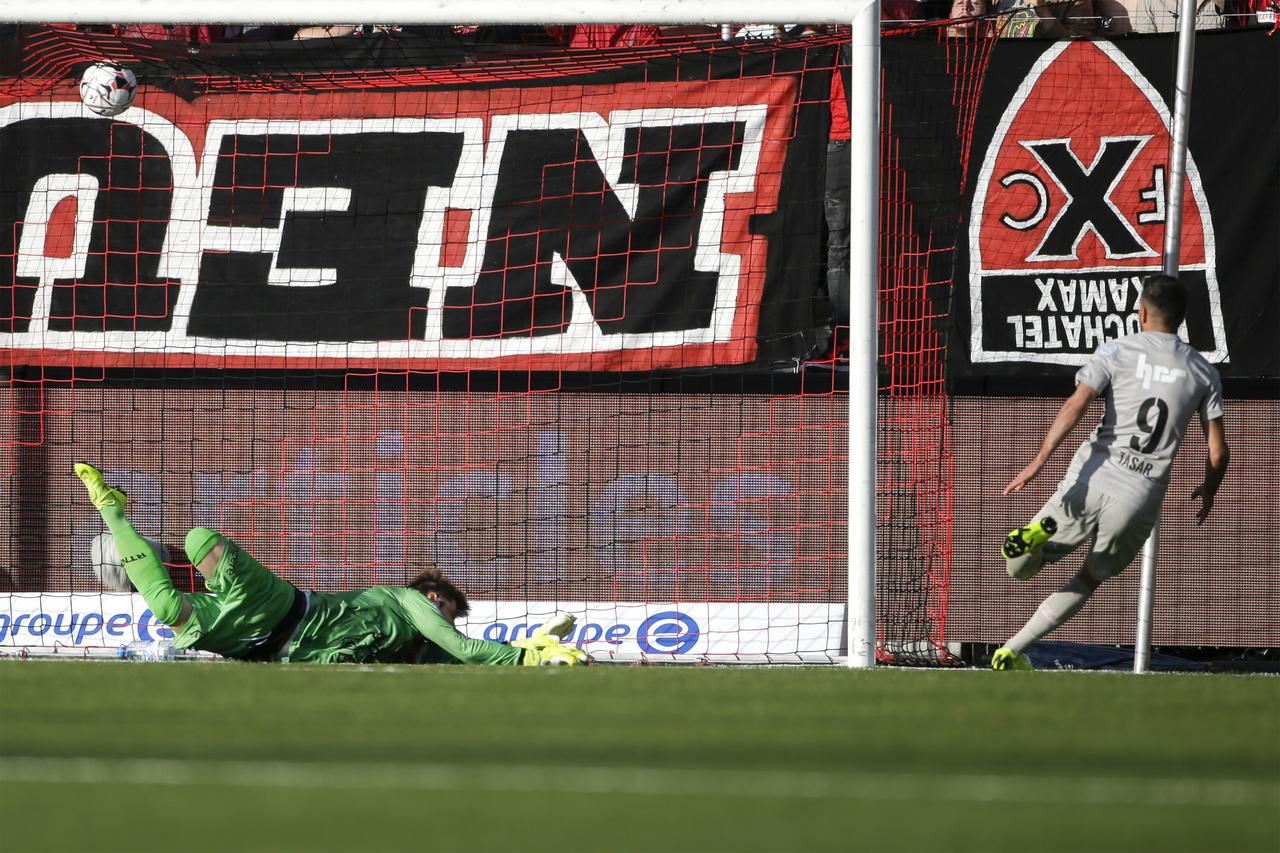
(150, 576)
(144, 567)
(1026, 566)
(199, 542)
(1052, 612)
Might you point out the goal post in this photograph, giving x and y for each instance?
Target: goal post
(375, 480)
(437, 12)
(864, 251)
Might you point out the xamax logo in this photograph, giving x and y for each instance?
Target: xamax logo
(1068, 217)
(669, 632)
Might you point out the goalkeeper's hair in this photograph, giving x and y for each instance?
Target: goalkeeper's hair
(433, 580)
(1166, 296)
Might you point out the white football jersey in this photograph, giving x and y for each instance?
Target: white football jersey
(1152, 382)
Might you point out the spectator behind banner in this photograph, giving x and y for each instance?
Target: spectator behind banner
(1044, 18)
(188, 33)
(320, 31)
(836, 196)
(1161, 16)
(1260, 12)
(595, 36)
(913, 10)
(255, 33)
(898, 10)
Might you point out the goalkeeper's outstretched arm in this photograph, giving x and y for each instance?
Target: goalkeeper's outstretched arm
(432, 615)
(431, 621)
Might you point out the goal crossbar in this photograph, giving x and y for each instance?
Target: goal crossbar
(430, 11)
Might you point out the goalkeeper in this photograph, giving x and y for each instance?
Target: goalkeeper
(251, 614)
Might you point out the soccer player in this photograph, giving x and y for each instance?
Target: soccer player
(251, 614)
(1115, 484)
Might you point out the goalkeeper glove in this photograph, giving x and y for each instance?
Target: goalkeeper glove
(558, 626)
(547, 650)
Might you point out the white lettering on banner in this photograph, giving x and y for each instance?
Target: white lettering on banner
(305, 200)
(1117, 294)
(1134, 245)
(46, 195)
(1154, 196)
(191, 235)
(1056, 332)
(1042, 201)
(663, 631)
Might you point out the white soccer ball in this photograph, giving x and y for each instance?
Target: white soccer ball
(108, 89)
(109, 568)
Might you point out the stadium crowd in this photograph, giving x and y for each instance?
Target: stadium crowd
(1009, 18)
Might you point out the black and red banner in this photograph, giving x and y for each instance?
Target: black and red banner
(662, 212)
(610, 223)
(1064, 200)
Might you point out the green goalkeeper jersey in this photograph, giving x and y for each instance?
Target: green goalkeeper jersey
(380, 624)
(388, 624)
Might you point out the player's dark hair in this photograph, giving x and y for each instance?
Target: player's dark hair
(433, 580)
(1166, 297)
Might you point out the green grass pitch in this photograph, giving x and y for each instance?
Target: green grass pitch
(241, 757)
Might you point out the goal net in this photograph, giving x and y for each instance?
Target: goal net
(555, 309)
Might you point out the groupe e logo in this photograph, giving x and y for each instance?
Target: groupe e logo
(670, 632)
(80, 628)
(667, 632)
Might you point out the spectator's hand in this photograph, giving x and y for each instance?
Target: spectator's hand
(325, 31)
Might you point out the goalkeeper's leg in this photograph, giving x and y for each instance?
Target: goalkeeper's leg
(146, 571)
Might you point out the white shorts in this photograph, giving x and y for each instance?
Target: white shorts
(1118, 524)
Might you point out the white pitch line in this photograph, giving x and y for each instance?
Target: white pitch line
(649, 781)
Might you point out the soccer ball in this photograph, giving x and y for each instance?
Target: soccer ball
(109, 568)
(108, 89)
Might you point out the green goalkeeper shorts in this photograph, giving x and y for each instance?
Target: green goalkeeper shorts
(249, 601)
(249, 604)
